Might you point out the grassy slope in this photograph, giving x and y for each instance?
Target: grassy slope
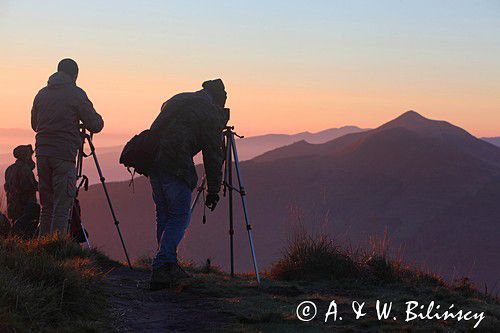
(49, 285)
(273, 308)
(315, 269)
(54, 285)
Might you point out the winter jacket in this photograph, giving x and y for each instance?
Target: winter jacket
(57, 112)
(187, 124)
(20, 187)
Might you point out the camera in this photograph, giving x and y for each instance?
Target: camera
(226, 113)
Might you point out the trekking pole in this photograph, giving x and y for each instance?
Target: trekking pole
(108, 198)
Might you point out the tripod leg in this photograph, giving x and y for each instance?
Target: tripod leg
(85, 235)
(103, 182)
(244, 204)
(229, 181)
(200, 190)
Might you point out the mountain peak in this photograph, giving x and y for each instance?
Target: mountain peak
(416, 122)
(412, 115)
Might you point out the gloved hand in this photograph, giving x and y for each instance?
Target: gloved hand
(212, 200)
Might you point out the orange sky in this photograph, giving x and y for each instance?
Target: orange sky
(304, 69)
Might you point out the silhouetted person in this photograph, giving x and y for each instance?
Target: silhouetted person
(20, 183)
(188, 123)
(57, 112)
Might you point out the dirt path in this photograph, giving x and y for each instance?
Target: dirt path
(136, 309)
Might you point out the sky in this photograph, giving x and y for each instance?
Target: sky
(289, 66)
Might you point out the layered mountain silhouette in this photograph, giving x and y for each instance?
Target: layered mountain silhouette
(109, 155)
(493, 140)
(431, 185)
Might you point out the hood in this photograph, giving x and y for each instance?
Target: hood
(23, 155)
(23, 152)
(60, 79)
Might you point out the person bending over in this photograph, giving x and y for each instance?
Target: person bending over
(187, 124)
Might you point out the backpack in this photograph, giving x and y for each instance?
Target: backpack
(140, 152)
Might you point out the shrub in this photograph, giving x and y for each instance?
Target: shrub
(314, 257)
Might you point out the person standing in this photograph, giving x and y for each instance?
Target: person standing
(20, 183)
(59, 109)
(187, 124)
(20, 188)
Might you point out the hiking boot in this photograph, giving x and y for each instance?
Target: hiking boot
(167, 276)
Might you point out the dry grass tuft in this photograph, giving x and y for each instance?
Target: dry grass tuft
(314, 257)
(48, 284)
(310, 258)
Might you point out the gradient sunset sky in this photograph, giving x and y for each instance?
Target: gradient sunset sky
(289, 66)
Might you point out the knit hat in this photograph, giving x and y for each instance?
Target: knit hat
(23, 152)
(68, 66)
(216, 89)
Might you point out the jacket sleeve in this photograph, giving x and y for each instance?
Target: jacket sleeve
(90, 118)
(213, 155)
(26, 180)
(34, 182)
(8, 177)
(34, 114)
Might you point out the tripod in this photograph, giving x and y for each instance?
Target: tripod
(231, 156)
(84, 180)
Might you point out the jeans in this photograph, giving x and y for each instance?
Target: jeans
(57, 188)
(172, 197)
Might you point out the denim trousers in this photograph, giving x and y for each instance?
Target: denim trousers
(172, 197)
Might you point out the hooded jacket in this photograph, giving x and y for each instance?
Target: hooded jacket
(20, 183)
(57, 112)
(187, 124)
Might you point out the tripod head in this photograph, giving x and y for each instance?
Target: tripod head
(229, 130)
(84, 180)
(86, 136)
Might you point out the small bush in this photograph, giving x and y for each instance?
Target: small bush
(318, 257)
(309, 257)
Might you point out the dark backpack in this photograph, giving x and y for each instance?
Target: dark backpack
(140, 152)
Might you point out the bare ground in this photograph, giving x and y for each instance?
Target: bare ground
(134, 308)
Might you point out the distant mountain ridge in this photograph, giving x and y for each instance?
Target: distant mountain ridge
(434, 187)
(494, 140)
(409, 120)
(248, 148)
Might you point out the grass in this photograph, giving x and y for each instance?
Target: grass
(314, 268)
(47, 285)
(54, 285)
(316, 258)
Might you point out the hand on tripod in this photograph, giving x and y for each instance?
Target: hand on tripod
(212, 200)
